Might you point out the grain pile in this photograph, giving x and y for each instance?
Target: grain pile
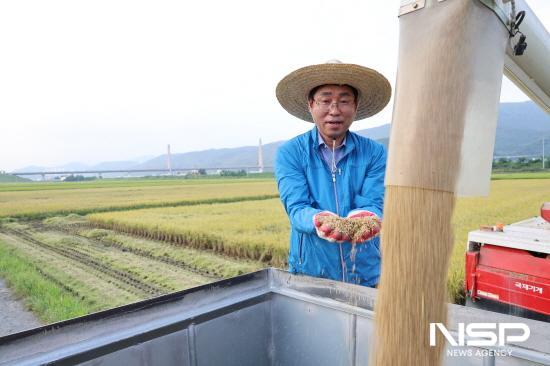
(352, 228)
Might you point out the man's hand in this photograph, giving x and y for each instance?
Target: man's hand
(358, 227)
(326, 228)
(369, 229)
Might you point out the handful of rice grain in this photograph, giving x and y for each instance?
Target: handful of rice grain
(352, 227)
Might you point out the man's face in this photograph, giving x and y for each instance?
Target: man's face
(333, 109)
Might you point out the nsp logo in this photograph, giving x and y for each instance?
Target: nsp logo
(482, 334)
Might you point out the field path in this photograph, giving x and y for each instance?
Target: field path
(13, 315)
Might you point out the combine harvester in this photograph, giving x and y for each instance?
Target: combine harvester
(272, 317)
(508, 268)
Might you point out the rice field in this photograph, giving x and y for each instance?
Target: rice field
(256, 230)
(36, 200)
(73, 249)
(76, 270)
(259, 230)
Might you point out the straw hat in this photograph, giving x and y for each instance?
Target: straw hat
(374, 89)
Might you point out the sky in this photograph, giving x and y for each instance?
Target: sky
(94, 81)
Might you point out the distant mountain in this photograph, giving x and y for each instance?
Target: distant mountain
(73, 166)
(8, 178)
(79, 167)
(143, 159)
(31, 168)
(114, 165)
(522, 116)
(246, 156)
(520, 130)
(376, 133)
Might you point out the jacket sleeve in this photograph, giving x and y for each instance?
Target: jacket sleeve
(371, 196)
(293, 189)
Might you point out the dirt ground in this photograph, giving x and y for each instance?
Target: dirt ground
(13, 315)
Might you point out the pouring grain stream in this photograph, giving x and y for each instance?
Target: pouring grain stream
(437, 72)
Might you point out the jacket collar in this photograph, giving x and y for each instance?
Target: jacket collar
(320, 141)
(349, 141)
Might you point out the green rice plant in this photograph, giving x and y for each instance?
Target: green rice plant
(523, 175)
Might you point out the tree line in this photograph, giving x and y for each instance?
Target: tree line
(521, 164)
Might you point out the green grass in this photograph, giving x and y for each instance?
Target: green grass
(46, 299)
(530, 175)
(128, 183)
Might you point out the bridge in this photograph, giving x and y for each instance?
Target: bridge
(173, 171)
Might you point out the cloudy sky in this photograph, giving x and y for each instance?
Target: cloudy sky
(91, 81)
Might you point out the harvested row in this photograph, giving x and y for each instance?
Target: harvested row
(135, 285)
(37, 274)
(198, 261)
(95, 274)
(44, 203)
(165, 276)
(255, 230)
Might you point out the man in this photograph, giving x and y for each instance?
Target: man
(332, 171)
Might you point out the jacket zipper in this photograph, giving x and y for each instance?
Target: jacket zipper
(333, 170)
(300, 248)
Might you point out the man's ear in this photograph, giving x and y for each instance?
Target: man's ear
(310, 104)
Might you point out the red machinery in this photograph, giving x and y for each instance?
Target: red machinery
(508, 268)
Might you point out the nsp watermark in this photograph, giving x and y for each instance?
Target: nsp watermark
(482, 334)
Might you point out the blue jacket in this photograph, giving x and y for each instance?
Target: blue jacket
(306, 188)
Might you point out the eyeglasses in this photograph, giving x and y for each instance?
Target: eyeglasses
(326, 104)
